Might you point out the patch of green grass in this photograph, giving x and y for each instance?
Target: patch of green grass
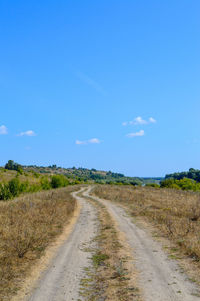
(99, 258)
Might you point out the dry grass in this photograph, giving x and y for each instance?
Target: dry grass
(175, 212)
(7, 175)
(27, 226)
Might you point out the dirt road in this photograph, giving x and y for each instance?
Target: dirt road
(160, 278)
(61, 281)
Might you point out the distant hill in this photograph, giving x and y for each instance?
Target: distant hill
(86, 175)
(193, 174)
(74, 175)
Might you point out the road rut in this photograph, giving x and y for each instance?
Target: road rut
(61, 281)
(160, 278)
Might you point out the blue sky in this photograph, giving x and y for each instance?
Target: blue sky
(111, 85)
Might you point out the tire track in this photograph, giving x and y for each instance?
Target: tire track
(160, 278)
(61, 281)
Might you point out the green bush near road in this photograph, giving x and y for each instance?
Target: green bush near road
(15, 187)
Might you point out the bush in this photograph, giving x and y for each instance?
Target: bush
(4, 192)
(15, 187)
(45, 184)
(184, 184)
(59, 181)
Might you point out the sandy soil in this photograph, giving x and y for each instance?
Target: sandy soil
(61, 281)
(160, 278)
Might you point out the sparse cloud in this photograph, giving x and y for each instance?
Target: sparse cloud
(3, 130)
(78, 142)
(28, 133)
(139, 121)
(152, 120)
(137, 134)
(94, 140)
(91, 82)
(90, 141)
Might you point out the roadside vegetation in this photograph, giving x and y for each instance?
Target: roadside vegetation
(27, 227)
(176, 213)
(14, 181)
(15, 187)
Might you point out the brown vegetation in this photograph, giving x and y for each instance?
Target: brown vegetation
(27, 226)
(176, 213)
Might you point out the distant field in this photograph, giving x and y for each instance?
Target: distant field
(7, 175)
(27, 226)
(175, 212)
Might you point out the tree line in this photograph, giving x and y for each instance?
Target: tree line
(193, 174)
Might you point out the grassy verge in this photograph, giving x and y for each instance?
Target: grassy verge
(111, 278)
(175, 213)
(27, 226)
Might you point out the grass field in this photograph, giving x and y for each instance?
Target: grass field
(176, 213)
(7, 175)
(27, 226)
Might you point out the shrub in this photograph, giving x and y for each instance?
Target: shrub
(44, 182)
(59, 181)
(15, 187)
(184, 184)
(4, 192)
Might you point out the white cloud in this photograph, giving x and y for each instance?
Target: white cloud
(94, 140)
(3, 130)
(139, 121)
(90, 141)
(137, 134)
(29, 133)
(78, 142)
(152, 120)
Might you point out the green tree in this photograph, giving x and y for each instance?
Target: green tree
(11, 165)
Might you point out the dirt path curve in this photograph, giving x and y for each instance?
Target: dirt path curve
(61, 281)
(160, 278)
